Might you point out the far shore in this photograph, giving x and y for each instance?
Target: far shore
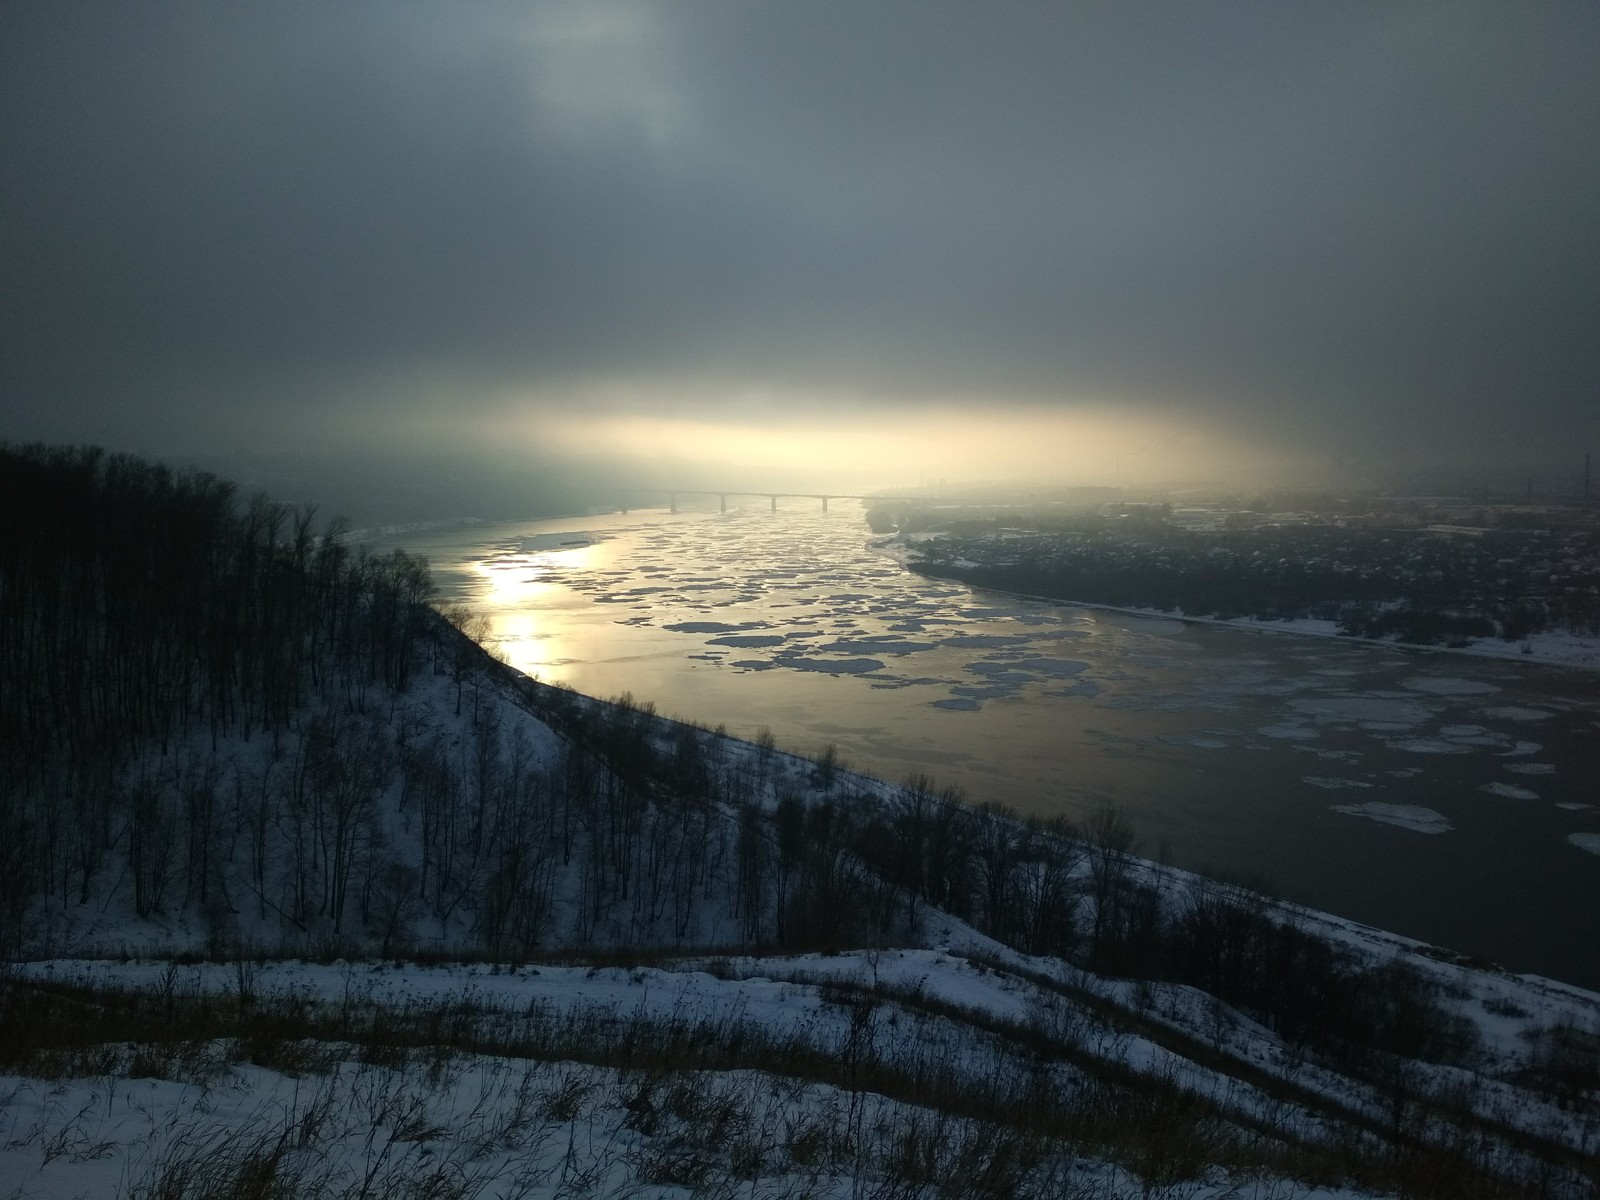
(1548, 649)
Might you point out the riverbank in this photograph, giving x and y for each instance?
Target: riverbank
(1551, 648)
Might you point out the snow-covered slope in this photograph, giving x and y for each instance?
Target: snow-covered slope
(490, 932)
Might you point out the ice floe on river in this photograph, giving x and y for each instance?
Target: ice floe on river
(832, 666)
(1402, 713)
(1287, 731)
(1512, 712)
(1430, 746)
(1509, 791)
(1448, 685)
(574, 540)
(1406, 816)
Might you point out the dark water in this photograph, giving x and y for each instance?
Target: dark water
(1236, 749)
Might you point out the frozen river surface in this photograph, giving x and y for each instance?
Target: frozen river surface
(1443, 796)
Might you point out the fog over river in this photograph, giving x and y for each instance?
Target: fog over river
(1443, 796)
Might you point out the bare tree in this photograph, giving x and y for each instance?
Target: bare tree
(1109, 836)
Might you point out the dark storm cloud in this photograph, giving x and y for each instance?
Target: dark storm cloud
(1368, 223)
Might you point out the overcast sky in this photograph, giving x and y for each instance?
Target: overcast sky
(1146, 231)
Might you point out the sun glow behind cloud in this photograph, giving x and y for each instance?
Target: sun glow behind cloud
(835, 447)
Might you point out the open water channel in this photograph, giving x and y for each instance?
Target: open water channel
(1442, 796)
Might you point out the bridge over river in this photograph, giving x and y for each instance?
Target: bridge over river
(722, 495)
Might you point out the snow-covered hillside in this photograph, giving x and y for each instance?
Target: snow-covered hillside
(303, 893)
(575, 1026)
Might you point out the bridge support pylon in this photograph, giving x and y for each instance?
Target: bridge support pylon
(723, 497)
(824, 504)
(774, 499)
(674, 504)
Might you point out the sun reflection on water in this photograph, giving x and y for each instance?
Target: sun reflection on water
(517, 593)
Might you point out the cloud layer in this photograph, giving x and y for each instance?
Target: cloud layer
(1345, 227)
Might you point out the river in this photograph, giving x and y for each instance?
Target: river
(1441, 796)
